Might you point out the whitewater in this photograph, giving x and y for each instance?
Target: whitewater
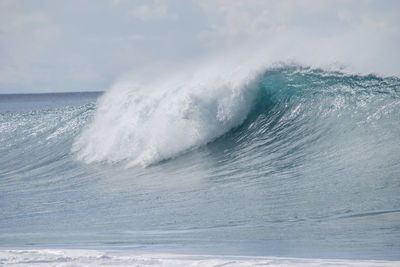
(281, 164)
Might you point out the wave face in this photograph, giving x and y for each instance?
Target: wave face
(283, 161)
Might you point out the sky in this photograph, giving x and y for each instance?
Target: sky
(87, 45)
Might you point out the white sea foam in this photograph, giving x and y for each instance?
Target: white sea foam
(78, 258)
(156, 114)
(148, 118)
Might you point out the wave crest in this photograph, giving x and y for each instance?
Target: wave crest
(140, 123)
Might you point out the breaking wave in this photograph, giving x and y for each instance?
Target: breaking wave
(141, 123)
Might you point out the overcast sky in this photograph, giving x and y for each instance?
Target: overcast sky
(85, 45)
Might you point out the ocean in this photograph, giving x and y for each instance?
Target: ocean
(284, 165)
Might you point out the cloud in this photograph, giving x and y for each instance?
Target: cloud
(360, 34)
(25, 40)
(81, 45)
(232, 21)
(156, 10)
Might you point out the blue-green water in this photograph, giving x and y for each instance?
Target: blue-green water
(289, 162)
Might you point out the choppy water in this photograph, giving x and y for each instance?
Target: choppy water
(286, 161)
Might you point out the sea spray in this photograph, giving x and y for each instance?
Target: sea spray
(143, 121)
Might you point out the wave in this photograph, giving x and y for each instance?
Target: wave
(141, 123)
(146, 122)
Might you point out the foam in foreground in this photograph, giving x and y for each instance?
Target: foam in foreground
(74, 257)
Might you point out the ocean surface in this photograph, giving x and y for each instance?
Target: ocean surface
(286, 161)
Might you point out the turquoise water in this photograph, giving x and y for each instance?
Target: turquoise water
(292, 162)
